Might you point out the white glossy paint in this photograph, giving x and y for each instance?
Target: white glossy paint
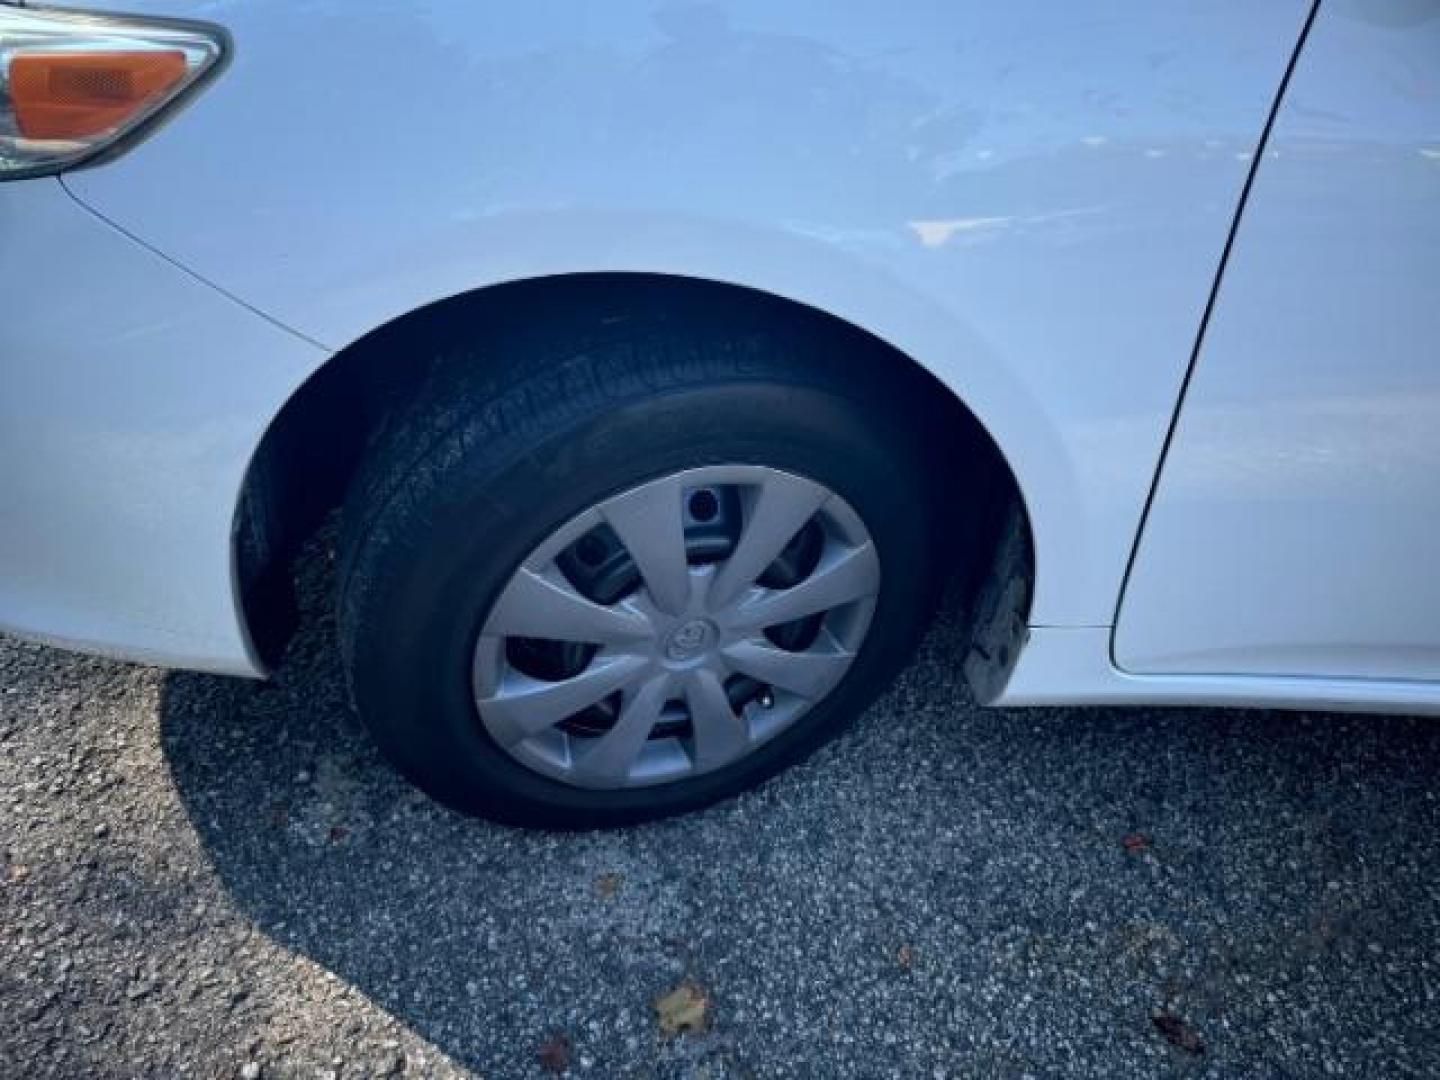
(131, 397)
(1030, 199)
(1072, 666)
(1295, 526)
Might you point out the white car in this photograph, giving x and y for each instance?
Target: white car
(665, 358)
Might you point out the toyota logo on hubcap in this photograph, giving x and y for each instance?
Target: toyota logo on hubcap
(689, 640)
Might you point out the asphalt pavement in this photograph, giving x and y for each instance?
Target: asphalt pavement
(216, 878)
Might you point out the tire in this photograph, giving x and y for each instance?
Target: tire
(496, 453)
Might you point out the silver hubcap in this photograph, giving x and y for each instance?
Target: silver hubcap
(706, 656)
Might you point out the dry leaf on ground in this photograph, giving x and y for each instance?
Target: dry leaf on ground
(1178, 1033)
(554, 1054)
(682, 1009)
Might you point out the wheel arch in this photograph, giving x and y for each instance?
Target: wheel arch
(302, 465)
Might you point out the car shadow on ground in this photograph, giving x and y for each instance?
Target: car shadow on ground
(944, 891)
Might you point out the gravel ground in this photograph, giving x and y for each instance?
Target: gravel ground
(201, 876)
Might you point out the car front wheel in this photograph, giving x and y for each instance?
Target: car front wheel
(631, 569)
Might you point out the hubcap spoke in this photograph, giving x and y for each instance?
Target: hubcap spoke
(782, 506)
(651, 525)
(612, 756)
(524, 707)
(851, 575)
(720, 735)
(536, 606)
(810, 674)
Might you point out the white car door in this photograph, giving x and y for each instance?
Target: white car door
(1293, 529)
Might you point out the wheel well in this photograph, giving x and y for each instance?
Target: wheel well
(309, 453)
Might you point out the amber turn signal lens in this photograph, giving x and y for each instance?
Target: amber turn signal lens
(81, 95)
(75, 85)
